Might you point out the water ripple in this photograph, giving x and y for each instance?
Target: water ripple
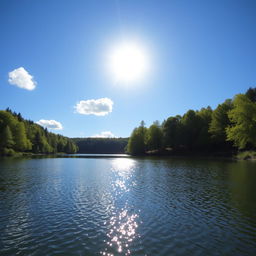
(127, 207)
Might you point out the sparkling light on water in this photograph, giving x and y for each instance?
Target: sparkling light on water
(122, 224)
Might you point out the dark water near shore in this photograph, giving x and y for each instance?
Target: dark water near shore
(127, 206)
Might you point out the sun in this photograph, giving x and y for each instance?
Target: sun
(128, 62)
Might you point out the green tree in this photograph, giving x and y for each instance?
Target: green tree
(242, 132)
(6, 138)
(40, 144)
(26, 135)
(136, 144)
(190, 128)
(251, 94)
(61, 144)
(7, 118)
(21, 141)
(70, 147)
(171, 132)
(203, 140)
(154, 137)
(52, 140)
(220, 121)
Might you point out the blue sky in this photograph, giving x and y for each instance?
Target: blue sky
(199, 53)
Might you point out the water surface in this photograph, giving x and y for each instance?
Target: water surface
(127, 206)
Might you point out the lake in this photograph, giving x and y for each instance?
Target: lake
(127, 206)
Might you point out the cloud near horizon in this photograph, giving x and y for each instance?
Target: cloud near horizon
(105, 134)
(98, 107)
(50, 124)
(22, 79)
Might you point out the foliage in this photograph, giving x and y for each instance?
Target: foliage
(251, 94)
(190, 128)
(204, 141)
(22, 143)
(243, 118)
(101, 145)
(137, 141)
(231, 125)
(171, 132)
(245, 155)
(20, 135)
(8, 152)
(6, 138)
(154, 137)
(220, 121)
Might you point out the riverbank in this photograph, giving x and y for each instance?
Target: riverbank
(30, 154)
(245, 155)
(234, 155)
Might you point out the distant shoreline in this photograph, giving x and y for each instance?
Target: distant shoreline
(246, 155)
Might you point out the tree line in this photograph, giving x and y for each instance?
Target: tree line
(101, 145)
(229, 127)
(20, 135)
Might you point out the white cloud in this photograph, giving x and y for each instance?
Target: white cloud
(50, 124)
(21, 78)
(106, 134)
(99, 107)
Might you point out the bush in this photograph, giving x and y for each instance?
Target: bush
(245, 155)
(8, 152)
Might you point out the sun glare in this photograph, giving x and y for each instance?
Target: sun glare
(128, 62)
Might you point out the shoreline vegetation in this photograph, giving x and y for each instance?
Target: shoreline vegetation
(240, 155)
(229, 131)
(101, 145)
(243, 155)
(19, 136)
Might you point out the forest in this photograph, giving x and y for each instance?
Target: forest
(20, 135)
(101, 145)
(229, 128)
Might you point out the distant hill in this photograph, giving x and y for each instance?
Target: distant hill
(101, 145)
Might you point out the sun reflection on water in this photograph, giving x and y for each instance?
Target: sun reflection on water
(122, 232)
(123, 223)
(123, 171)
(123, 164)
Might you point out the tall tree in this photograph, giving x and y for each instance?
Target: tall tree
(136, 144)
(21, 141)
(40, 144)
(70, 147)
(154, 137)
(61, 144)
(203, 140)
(171, 132)
(6, 138)
(7, 118)
(24, 133)
(243, 118)
(251, 94)
(220, 121)
(190, 129)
